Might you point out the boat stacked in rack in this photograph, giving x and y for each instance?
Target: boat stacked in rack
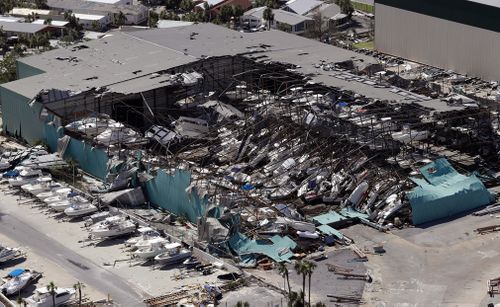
(146, 235)
(113, 226)
(174, 254)
(71, 199)
(58, 194)
(17, 280)
(40, 185)
(80, 209)
(43, 297)
(25, 175)
(156, 247)
(8, 253)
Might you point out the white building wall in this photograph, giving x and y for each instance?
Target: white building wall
(437, 42)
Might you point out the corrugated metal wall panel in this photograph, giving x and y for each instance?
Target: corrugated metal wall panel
(169, 192)
(19, 118)
(437, 42)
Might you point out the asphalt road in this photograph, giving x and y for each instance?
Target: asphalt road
(82, 268)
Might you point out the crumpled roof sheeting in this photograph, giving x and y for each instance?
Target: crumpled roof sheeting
(127, 197)
(279, 249)
(444, 192)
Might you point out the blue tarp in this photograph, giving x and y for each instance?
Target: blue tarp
(16, 272)
(279, 249)
(10, 174)
(444, 192)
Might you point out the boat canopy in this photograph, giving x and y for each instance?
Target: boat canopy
(16, 272)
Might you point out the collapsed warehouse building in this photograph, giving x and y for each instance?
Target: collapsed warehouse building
(251, 147)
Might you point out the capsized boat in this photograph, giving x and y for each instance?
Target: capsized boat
(43, 297)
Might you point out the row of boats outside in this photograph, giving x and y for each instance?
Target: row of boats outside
(147, 245)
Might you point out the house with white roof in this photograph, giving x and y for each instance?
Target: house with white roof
(302, 7)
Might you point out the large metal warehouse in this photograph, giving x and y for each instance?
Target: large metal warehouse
(460, 35)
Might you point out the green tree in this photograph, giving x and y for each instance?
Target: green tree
(41, 4)
(8, 68)
(345, 7)
(119, 19)
(226, 12)
(51, 287)
(73, 22)
(268, 16)
(47, 21)
(152, 19)
(301, 268)
(237, 11)
(6, 6)
(187, 5)
(172, 4)
(283, 270)
(3, 40)
(78, 287)
(310, 266)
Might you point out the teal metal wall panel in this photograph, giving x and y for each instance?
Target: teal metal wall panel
(169, 192)
(25, 70)
(92, 160)
(19, 119)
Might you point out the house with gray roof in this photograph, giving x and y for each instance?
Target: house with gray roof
(302, 7)
(283, 20)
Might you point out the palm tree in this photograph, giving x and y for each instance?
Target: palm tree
(268, 16)
(310, 266)
(119, 19)
(51, 287)
(301, 268)
(283, 270)
(79, 286)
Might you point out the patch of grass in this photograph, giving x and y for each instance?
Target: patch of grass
(363, 7)
(366, 45)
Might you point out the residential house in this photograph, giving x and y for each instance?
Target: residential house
(283, 20)
(216, 5)
(136, 14)
(331, 16)
(16, 28)
(302, 7)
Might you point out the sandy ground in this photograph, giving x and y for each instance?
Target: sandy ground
(148, 280)
(441, 265)
(52, 272)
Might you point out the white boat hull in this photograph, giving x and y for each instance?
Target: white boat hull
(169, 260)
(81, 211)
(60, 206)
